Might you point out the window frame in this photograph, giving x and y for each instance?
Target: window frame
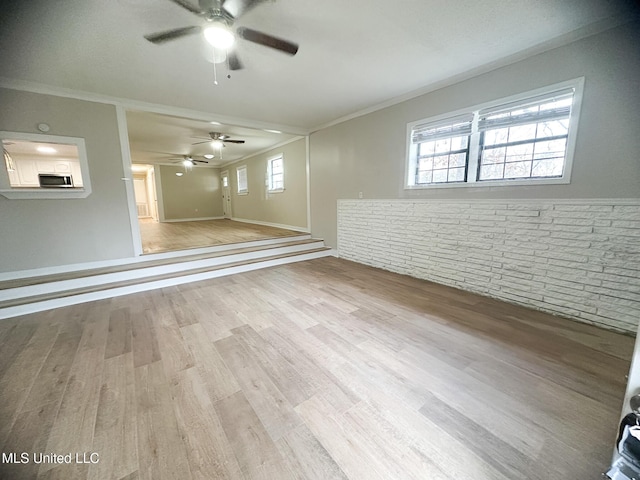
(246, 177)
(473, 159)
(270, 161)
(16, 193)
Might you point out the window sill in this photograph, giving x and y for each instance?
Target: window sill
(242, 193)
(278, 190)
(44, 193)
(492, 183)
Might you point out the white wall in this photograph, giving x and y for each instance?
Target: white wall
(367, 154)
(196, 194)
(287, 208)
(40, 233)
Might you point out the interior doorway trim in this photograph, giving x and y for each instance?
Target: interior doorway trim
(123, 133)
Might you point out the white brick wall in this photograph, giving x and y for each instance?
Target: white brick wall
(579, 259)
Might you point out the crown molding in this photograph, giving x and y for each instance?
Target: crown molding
(130, 104)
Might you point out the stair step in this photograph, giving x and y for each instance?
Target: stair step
(40, 290)
(150, 279)
(152, 261)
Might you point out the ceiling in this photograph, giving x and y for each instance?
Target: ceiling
(155, 139)
(352, 55)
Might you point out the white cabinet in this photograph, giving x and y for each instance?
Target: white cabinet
(28, 170)
(76, 174)
(27, 173)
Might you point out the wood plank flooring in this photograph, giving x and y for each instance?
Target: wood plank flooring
(317, 370)
(166, 237)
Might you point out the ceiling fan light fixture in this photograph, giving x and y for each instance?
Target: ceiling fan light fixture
(187, 162)
(208, 156)
(219, 36)
(217, 144)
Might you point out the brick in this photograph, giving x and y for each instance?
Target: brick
(581, 208)
(537, 254)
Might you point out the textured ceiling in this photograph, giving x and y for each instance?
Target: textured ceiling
(352, 54)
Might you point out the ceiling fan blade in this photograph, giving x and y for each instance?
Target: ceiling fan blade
(233, 141)
(162, 37)
(200, 143)
(234, 61)
(236, 8)
(199, 161)
(267, 40)
(188, 6)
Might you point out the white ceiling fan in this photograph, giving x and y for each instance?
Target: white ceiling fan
(220, 16)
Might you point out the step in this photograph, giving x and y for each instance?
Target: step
(34, 277)
(43, 296)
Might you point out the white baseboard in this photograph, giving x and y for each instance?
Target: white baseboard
(196, 219)
(269, 224)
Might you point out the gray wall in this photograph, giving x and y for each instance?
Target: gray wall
(284, 208)
(367, 154)
(40, 233)
(196, 194)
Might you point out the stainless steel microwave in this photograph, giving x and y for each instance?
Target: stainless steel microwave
(55, 181)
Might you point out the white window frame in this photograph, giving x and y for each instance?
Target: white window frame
(474, 141)
(7, 191)
(270, 161)
(244, 191)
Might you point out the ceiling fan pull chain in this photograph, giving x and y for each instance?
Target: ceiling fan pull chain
(215, 74)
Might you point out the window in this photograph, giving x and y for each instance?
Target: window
(242, 180)
(275, 174)
(442, 150)
(523, 139)
(43, 166)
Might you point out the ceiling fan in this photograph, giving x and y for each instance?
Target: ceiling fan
(220, 15)
(219, 140)
(188, 160)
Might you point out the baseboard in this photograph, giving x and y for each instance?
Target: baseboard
(269, 224)
(196, 219)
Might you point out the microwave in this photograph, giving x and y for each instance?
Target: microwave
(55, 181)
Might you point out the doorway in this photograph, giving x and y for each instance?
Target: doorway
(145, 192)
(226, 194)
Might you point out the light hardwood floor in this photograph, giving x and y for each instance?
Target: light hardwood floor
(166, 237)
(318, 370)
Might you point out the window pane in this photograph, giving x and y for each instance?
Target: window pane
(425, 177)
(548, 168)
(276, 165)
(427, 148)
(457, 159)
(439, 176)
(443, 145)
(491, 172)
(520, 152)
(456, 174)
(441, 161)
(494, 137)
(522, 132)
(459, 143)
(493, 155)
(553, 128)
(426, 163)
(517, 169)
(550, 149)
